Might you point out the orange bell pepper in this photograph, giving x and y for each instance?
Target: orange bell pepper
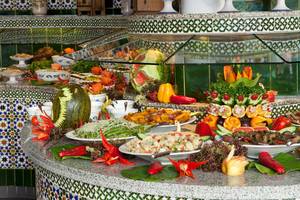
(247, 72)
(229, 74)
(258, 122)
(211, 120)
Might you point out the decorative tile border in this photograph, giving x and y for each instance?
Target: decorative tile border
(53, 35)
(27, 4)
(51, 186)
(244, 22)
(62, 21)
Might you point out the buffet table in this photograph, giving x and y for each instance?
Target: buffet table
(81, 179)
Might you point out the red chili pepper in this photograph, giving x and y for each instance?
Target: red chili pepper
(203, 129)
(266, 160)
(155, 168)
(177, 99)
(280, 123)
(76, 151)
(185, 167)
(113, 155)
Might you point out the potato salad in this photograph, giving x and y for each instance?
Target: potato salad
(173, 142)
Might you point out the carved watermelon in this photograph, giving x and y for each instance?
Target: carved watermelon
(71, 107)
(141, 74)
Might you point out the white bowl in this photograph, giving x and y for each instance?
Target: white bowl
(97, 97)
(120, 104)
(63, 61)
(273, 150)
(95, 110)
(164, 159)
(120, 113)
(52, 75)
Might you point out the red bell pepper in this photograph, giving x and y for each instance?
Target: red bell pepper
(266, 160)
(76, 151)
(176, 99)
(155, 168)
(185, 167)
(203, 129)
(112, 154)
(280, 123)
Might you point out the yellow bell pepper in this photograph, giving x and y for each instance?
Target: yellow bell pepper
(165, 92)
(211, 120)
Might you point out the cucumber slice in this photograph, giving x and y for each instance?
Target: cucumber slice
(291, 129)
(220, 133)
(205, 138)
(223, 130)
(141, 136)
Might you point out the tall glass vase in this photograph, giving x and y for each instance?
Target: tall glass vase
(126, 7)
(280, 6)
(228, 7)
(168, 7)
(39, 7)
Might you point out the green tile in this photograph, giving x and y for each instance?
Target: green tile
(19, 177)
(179, 79)
(3, 177)
(11, 177)
(197, 79)
(284, 79)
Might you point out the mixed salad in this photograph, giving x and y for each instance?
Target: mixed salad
(173, 142)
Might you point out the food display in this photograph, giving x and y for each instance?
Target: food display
(268, 137)
(23, 56)
(152, 116)
(12, 73)
(239, 100)
(171, 142)
(113, 128)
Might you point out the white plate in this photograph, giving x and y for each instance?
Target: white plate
(273, 150)
(171, 127)
(164, 160)
(72, 136)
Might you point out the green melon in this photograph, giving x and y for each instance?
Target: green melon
(71, 106)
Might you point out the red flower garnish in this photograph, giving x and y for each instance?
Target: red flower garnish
(42, 129)
(112, 154)
(185, 167)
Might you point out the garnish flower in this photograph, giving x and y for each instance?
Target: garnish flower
(112, 154)
(185, 167)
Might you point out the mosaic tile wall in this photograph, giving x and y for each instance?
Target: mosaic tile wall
(15, 168)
